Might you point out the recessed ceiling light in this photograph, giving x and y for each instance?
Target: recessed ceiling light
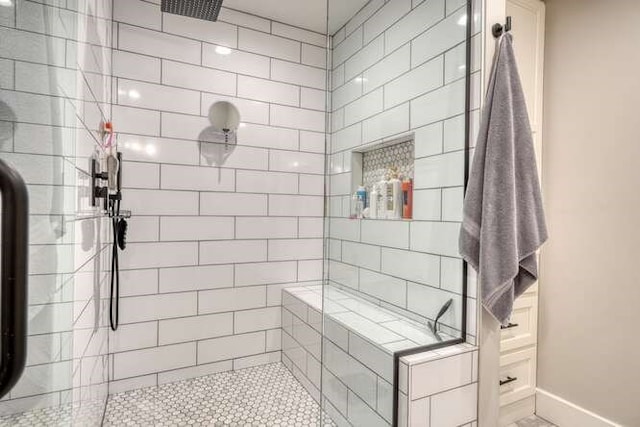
(221, 50)
(134, 94)
(463, 20)
(6, 3)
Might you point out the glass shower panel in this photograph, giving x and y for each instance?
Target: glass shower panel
(394, 281)
(55, 91)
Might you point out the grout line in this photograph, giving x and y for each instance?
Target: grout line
(237, 47)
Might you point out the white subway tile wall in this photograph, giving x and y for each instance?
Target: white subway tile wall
(55, 86)
(358, 340)
(217, 231)
(399, 70)
(441, 387)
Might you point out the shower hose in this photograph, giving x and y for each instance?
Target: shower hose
(119, 226)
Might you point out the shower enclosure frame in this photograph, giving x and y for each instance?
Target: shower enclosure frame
(467, 138)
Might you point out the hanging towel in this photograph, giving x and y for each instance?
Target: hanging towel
(503, 220)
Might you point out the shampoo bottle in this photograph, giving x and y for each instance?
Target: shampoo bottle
(382, 198)
(394, 195)
(358, 201)
(361, 193)
(407, 199)
(353, 208)
(373, 202)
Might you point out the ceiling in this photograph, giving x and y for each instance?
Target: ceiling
(309, 14)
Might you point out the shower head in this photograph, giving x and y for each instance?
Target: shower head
(200, 9)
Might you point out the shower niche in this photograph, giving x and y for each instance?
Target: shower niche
(385, 171)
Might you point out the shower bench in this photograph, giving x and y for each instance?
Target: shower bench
(436, 388)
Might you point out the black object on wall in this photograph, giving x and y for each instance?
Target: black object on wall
(498, 29)
(15, 260)
(120, 225)
(199, 9)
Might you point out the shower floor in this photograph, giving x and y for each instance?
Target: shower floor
(267, 395)
(90, 413)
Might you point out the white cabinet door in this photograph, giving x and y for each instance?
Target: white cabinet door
(518, 344)
(527, 20)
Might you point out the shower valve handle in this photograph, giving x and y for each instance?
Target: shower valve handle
(97, 191)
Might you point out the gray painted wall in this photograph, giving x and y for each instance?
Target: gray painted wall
(588, 347)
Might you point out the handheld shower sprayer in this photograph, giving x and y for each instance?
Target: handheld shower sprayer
(111, 196)
(119, 225)
(434, 326)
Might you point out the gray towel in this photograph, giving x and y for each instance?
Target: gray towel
(503, 223)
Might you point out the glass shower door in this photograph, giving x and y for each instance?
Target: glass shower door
(55, 90)
(395, 284)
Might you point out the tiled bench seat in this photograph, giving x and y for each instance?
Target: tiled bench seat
(358, 350)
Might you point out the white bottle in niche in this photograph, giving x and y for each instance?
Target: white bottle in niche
(353, 208)
(373, 202)
(394, 195)
(382, 198)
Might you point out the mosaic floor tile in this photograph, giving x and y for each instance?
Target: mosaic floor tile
(532, 421)
(266, 395)
(87, 414)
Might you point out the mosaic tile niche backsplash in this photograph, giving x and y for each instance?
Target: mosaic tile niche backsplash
(376, 163)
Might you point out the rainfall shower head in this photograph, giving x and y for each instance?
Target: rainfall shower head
(200, 9)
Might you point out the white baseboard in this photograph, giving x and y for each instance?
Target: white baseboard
(566, 414)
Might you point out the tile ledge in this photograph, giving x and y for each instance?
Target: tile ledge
(441, 353)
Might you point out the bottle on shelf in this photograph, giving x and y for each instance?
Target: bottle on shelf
(353, 208)
(358, 203)
(382, 198)
(361, 193)
(394, 195)
(407, 199)
(373, 202)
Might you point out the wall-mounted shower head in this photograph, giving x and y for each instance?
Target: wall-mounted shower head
(200, 9)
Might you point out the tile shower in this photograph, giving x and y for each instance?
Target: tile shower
(244, 285)
(55, 87)
(213, 243)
